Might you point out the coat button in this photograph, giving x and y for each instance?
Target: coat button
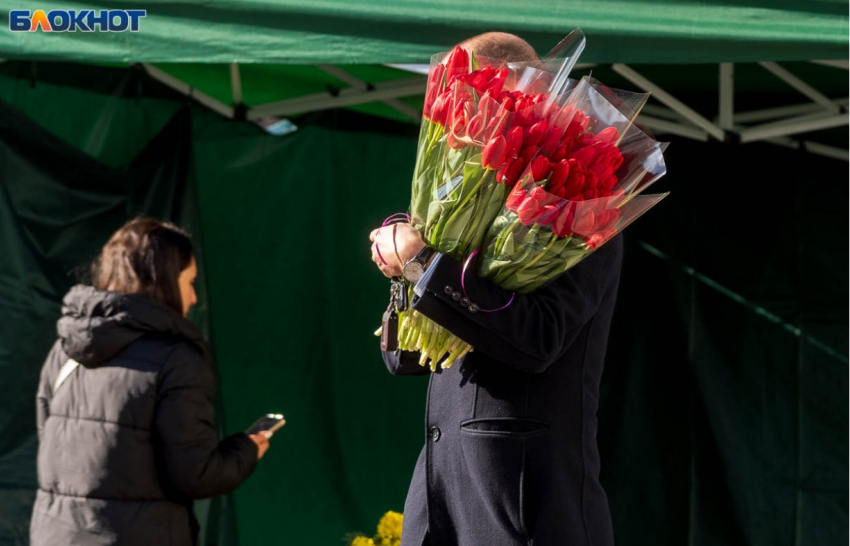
(456, 296)
(448, 290)
(473, 308)
(464, 302)
(435, 434)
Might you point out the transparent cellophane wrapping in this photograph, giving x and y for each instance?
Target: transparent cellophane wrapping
(522, 258)
(539, 235)
(457, 192)
(460, 185)
(454, 196)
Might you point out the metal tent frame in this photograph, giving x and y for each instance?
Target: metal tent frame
(782, 126)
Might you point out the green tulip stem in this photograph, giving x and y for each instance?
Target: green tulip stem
(456, 209)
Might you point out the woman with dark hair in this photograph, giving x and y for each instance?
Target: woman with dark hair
(125, 404)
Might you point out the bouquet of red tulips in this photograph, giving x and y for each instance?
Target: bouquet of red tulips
(576, 195)
(537, 169)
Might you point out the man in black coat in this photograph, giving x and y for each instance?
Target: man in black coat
(510, 453)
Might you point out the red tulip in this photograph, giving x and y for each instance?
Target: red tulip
(493, 153)
(514, 141)
(584, 155)
(461, 108)
(560, 172)
(532, 207)
(488, 80)
(614, 158)
(607, 185)
(479, 78)
(548, 215)
(515, 199)
(584, 140)
(510, 172)
(456, 132)
(497, 124)
(457, 64)
(539, 168)
(582, 119)
(597, 239)
(594, 240)
(523, 115)
(571, 134)
(552, 136)
(561, 116)
(584, 221)
(475, 127)
(435, 87)
(535, 133)
(606, 219)
(590, 183)
(454, 141)
(440, 109)
(487, 104)
(560, 153)
(575, 181)
(609, 135)
(563, 225)
(601, 169)
(557, 191)
(528, 153)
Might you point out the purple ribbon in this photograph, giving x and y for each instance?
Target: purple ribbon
(463, 286)
(395, 218)
(392, 219)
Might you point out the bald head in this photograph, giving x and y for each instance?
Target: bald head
(501, 45)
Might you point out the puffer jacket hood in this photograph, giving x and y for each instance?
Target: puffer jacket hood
(96, 325)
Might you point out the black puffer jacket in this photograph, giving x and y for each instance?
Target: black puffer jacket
(127, 441)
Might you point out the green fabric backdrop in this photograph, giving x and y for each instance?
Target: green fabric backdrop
(724, 418)
(724, 399)
(295, 300)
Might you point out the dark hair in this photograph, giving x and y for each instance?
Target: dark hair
(501, 45)
(145, 256)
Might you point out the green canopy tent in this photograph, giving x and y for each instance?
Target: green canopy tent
(382, 31)
(229, 56)
(281, 218)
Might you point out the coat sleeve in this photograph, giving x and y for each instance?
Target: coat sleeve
(49, 371)
(403, 363)
(195, 464)
(537, 328)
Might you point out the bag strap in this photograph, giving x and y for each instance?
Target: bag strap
(64, 373)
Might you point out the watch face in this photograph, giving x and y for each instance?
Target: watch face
(413, 271)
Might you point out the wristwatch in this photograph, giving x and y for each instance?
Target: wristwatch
(415, 267)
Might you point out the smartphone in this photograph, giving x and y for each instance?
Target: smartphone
(270, 422)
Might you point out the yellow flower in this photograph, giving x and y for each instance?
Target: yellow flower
(362, 541)
(390, 526)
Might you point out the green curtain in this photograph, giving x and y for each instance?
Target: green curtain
(724, 412)
(295, 300)
(723, 418)
(385, 31)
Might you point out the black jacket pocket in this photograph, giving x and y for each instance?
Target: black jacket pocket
(514, 426)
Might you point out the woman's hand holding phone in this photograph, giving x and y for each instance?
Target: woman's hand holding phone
(262, 441)
(263, 429)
